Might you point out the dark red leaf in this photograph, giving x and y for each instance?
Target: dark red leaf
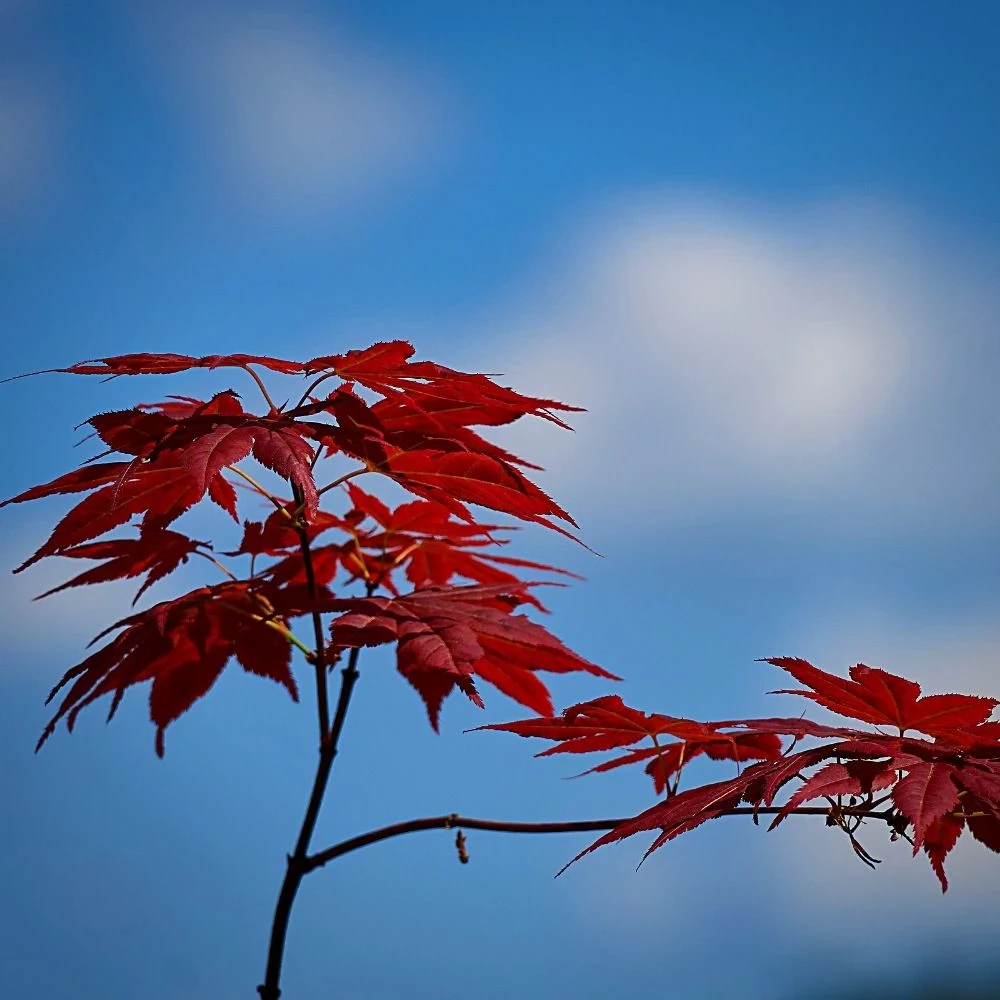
(608, 723)
(168, 364)
(677, 815)
(838, 779)
(446, 477)
(133, 432)
(209, 454)
(181, 646)
(983, 821)
(160, 490)
(924, 795)
(381, 358)
(157, 553)
(87, 478)
(881, 698)
(445, 636)
(939, 838)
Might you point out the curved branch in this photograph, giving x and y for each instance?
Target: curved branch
(455, 822)
(451, 822)
(262, 387)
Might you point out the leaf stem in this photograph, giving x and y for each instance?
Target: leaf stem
(343, 479)
(279, 504)
(278, 627)
(262, 387)
(215, 562)
(312, 388)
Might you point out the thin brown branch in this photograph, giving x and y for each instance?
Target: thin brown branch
(454, 821)
(297, 867)
(297, 861)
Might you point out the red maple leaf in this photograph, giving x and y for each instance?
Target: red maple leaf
(156, 553)
(277, 445)
(161, 491)
(453, 479)
(156, 483)
(182, 646)
(608, 723)
(937, 786)
(446, 637)
(78, 481)
(380, 359)
(876, 696)
(939, 838)
(133, 432)
(925, 795)
(467, 398)
(677, 814)
(432, 547)
(169, 364)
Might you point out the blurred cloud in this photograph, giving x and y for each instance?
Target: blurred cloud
(830, 360)
(28, 124)
(293, 114)
(68, 620)
(942, 652)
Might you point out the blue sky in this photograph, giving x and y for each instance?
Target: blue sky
(757, 241)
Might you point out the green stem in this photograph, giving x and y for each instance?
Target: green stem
(279, 504)
(262, 387)
(343, 479)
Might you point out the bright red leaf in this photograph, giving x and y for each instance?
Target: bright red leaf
(181, 646)
(884, 699)
(446, 637)
(169, 364)
(925, 795)
(609, 724)
(421, 434)
(156, 553)
(937, 786)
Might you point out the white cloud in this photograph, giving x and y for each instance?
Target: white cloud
(293, 115)
(825, 361)
(68, 620)
(28, 119)
(943, 652)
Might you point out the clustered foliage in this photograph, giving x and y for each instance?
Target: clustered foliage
(432, 580)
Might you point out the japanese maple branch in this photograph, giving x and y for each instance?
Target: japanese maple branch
(329, 741)
(455, 822)
(296, 868)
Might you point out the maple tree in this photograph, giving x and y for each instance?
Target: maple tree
(431, 579)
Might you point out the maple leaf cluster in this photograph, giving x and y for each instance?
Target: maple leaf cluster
(427, 577)
(380, 413)
(927, 788)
